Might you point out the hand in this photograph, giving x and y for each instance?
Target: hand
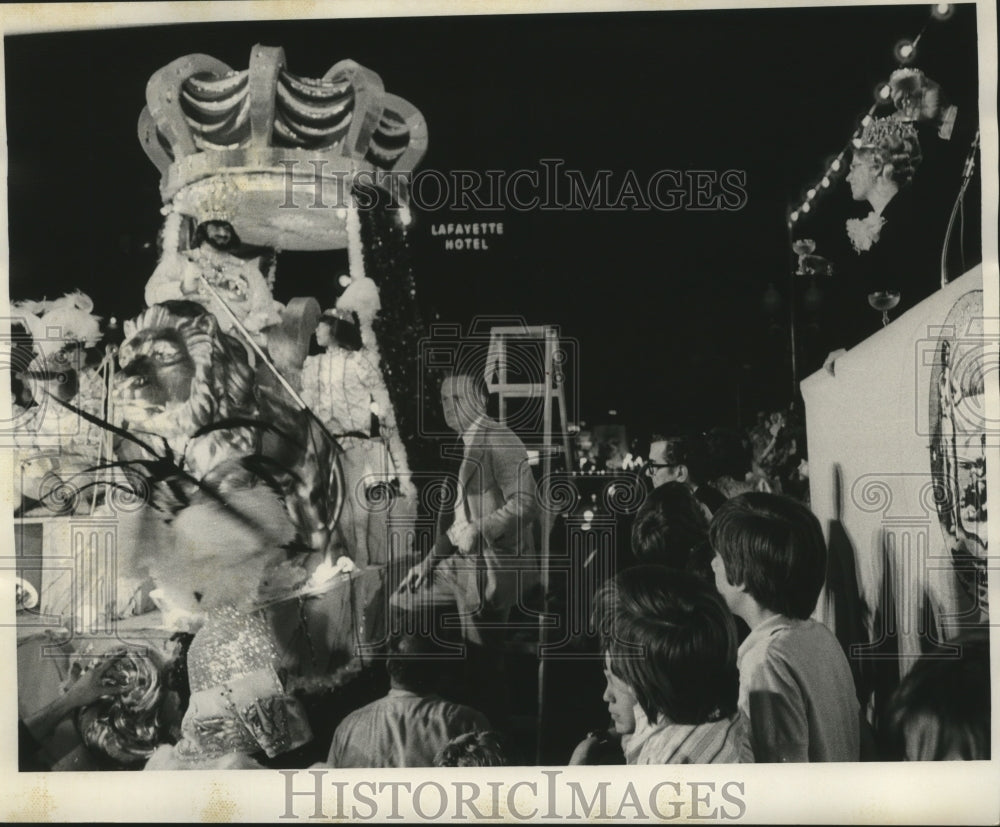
(191, 278)
(418, 575)
(464, 538)
(587, 750)
(830, 364)
(93, 684)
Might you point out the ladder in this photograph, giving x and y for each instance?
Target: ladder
(550, 387)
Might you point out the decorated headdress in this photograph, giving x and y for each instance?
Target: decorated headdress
(213, 199)
(238, 704)
(882, 132)
(344, 327)
(339, 314)
(893, 143)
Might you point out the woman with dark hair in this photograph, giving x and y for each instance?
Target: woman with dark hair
(671, 529)
(339, 385)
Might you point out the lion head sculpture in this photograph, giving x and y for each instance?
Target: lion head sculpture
(179, 373)
(232, 499)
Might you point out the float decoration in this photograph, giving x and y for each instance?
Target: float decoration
(263, 124)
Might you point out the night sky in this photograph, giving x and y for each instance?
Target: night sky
(667, 307)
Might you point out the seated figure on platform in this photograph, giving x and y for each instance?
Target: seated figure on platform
(796, 687)
(411, 724)
(670, 663)
(238, 281)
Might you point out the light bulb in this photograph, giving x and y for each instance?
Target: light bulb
(811, 194)
(835, 166)
(825, 182)
(806, 208)
(905, 51)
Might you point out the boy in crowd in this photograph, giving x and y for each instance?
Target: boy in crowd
(795, 683)
(670, 665)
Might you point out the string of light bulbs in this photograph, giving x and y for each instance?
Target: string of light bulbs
(905, 52)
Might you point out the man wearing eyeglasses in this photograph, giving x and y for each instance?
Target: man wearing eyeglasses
(659, 467)
(684, 459)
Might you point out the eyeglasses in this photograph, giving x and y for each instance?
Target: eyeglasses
(650, 468)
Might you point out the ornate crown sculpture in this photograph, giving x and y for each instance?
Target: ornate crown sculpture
(228, 143)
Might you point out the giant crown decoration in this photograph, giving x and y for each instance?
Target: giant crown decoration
(274, 154)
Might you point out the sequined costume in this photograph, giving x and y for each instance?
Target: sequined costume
(238, 707)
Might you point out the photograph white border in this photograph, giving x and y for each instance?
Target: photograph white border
(944, 793)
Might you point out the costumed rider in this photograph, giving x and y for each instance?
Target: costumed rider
(53, 443)
(340, 385)
(893, 261)
(897, 245)
(213, 259)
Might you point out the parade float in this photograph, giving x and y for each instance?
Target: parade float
(205, 461)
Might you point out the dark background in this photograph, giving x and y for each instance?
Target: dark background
(668, 307)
